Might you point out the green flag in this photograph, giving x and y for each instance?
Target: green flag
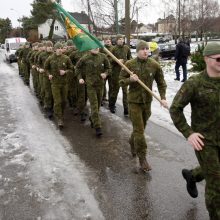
(81, 37)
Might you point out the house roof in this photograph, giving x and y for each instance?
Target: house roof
(81, 17)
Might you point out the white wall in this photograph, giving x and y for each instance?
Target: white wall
(44, 29)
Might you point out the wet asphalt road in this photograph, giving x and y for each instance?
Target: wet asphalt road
(122, 194)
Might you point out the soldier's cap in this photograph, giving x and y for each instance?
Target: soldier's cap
(27, 44)
(49, 43)
(107, 38)
(58, 45)
(212, 48)
(44, 43)
(141, 45)
(118, 36)
(69, 43)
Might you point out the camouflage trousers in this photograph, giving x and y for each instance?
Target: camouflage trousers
(139, 114)
(114, 89)
(48, 97)
(41, 87)
(209, 160)
(20, 67)
(72, 92)
(82, 97)
(95, 94)
(59, 92)
(34, 79)
(26, 72)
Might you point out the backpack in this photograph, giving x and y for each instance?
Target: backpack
(185, 50)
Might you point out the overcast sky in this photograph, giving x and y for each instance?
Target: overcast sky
(14, 9)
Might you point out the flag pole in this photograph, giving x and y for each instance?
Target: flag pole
(130, 73)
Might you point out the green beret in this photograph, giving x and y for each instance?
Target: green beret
(212, 48)
(141, 45)
(58, 45)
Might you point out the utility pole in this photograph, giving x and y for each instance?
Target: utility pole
(89, 25)
(116, 16)
(137, 22)
(179, 18)
(127, 21)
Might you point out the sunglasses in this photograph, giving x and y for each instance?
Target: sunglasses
(216, 59)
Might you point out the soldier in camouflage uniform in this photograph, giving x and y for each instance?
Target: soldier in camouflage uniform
(25, 63)
(108, 45)
(80, 91)
(32, 66)
(46, 93)
(40, 68)
(202, 91)
(59, 66)
(147, 70)
(72, 87)
(17, 53)
(123, 53)
(34, 60)
(95, 66)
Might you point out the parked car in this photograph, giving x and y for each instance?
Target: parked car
(160, 39)
(167, 50)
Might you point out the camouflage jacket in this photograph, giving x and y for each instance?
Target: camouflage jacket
(31, 59)
(18, 51)
(147, 71)
(35, 58)
(110, 48)
(75, 56)
(203, 94)
(121, 52)
(42, 59)
(91, 66)
(24, 55)
(56, 63)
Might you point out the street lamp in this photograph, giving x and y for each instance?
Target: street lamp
(12, 9)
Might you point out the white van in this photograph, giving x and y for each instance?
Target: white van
(11, 45)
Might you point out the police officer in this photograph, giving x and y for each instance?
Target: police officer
(147, 70)
(202, 92)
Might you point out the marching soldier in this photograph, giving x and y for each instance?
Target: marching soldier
(95, 67)
(147, 70)
(59, 66)
(202, 91)
(123, 53)
(108, 45)
(25, 63)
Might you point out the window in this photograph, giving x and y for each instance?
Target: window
(56, 28)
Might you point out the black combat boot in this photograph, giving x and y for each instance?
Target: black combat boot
(49, 113)
(91, 123)
(60, 123)
(98, 132)
(82, 117)
(190, 183)
(112, 109)
(125, 112)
